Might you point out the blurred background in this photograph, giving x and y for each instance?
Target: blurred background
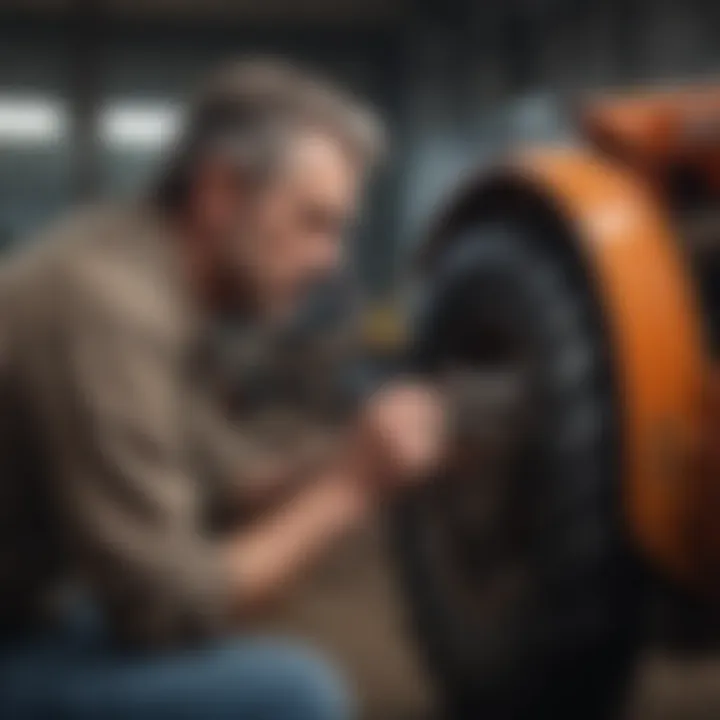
(91, 91)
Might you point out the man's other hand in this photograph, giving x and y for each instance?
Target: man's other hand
(402, 434)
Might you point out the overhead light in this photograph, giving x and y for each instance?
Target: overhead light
(139, 126)
(31, 120)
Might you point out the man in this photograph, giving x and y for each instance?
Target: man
(109, 468)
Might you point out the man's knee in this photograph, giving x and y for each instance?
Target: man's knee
(314, 688)
(295, 683)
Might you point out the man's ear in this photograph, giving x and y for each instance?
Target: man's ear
(218, 191)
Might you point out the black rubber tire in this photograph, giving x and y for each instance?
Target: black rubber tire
(567, 649)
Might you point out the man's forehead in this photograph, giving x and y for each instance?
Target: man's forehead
(320, 156)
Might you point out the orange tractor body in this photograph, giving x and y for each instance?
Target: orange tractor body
(622, 200)
(587, 279)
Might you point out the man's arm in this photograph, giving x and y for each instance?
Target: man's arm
(399, 438)
(112, 403)
(247, 475)
(261, 454)
(266, 557)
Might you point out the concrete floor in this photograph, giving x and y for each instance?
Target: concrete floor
(351, 609)
(672, 689)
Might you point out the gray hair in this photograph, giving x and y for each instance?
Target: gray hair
(249, 108)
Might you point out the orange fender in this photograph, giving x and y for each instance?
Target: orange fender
(644, 290)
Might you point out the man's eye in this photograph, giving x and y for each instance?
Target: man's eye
(323, 220)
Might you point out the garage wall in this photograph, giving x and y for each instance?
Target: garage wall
(458, 81)
(517, 68)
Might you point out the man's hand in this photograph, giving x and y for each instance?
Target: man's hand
(401, 435)
(400, 439)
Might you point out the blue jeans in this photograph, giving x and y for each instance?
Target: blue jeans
(75, 674)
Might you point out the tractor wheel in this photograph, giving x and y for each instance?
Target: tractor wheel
(524, 595)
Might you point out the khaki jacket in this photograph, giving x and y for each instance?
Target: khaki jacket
(113, 445)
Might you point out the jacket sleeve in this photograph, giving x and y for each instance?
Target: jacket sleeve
(111, 396)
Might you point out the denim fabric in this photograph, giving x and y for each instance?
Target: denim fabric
(74, 673)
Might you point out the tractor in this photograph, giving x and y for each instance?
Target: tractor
(569, 297)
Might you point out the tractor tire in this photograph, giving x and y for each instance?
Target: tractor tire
(550, 628)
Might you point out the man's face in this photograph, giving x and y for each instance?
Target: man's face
(281, 237)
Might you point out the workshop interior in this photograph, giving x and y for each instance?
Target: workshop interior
(545, 237)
